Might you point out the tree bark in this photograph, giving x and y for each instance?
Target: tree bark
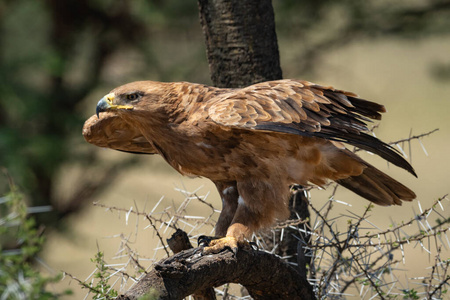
(241, 42)
(179, 242)
(264, 275)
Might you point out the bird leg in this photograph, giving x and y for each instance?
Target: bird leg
(229, 194)
(236, 233)
(234, 239)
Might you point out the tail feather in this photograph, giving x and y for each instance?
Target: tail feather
(378, 187)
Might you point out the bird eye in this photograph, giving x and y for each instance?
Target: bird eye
(132, 97)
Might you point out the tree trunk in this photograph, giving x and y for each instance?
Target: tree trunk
(241, 42)
(242, 49)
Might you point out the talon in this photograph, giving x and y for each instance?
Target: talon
(216, 246)
(204, 240)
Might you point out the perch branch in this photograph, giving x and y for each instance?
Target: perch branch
(264, 275)
(179, 242)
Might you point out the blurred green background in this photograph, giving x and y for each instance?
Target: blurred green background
(57, 58)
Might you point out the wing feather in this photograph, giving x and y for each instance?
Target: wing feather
(297, 107)
(303, 108)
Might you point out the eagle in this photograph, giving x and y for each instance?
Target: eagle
(253, 143)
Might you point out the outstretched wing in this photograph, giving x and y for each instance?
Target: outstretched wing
(110, 131)
(304, 108)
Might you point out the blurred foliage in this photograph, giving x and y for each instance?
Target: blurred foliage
(19, 278)
(325, 25)
(103, 289)
(99, 285)
(404, 18)
(55, 54)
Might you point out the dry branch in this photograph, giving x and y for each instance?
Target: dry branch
(179, 242)
(264, 275)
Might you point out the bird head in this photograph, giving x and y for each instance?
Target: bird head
(108, 103)
(133, 97)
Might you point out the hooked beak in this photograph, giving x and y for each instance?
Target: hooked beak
(106, 103)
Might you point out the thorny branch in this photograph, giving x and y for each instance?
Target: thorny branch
(414, 137)
(157, 233)
(372, 249)
(406, 140)
(370, 254)
(369, 277)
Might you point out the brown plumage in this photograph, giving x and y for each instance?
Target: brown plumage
(252, 142)
(111, 132)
